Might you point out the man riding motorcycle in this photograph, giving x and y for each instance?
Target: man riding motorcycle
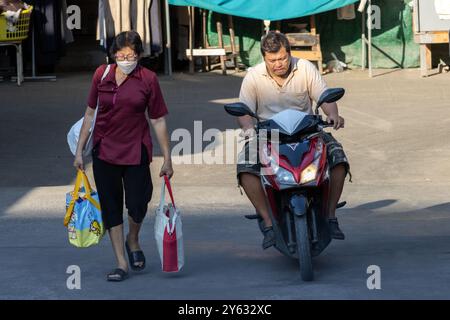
(284, 82)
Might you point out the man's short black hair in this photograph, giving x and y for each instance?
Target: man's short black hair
(130, 39)
(273, 41)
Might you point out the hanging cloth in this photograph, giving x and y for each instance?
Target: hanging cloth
(116, 16)
(66, 33)
(140, 22)
(113, 18)
(120, 10)
(101, 24)
(156, 27)
(11, 19)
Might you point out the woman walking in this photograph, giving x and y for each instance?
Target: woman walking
(123, 147)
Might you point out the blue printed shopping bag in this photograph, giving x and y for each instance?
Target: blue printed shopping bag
(83, 214)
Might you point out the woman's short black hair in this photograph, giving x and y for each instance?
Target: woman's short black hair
(130, 39)
(273, 41)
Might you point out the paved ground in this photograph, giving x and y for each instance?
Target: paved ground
(398, 213)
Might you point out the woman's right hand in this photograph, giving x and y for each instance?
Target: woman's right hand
(78, 162)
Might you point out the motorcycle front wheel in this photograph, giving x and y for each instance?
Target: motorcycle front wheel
(303, 248)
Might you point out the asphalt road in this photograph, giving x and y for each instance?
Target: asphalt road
(397, 216)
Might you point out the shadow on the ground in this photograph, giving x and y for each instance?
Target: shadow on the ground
(223, 258)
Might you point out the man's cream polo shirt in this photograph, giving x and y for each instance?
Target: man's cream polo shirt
(265, 97)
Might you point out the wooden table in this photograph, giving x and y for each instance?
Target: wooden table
(426, 39)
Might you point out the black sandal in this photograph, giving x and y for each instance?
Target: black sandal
(269, 238)
(117, 275)
(135, 257)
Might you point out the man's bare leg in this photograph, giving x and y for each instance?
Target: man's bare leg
(255, 193)
(337, 181)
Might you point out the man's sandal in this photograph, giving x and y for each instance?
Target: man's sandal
(269, 238)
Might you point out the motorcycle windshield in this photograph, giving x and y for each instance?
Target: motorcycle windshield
(290, 122)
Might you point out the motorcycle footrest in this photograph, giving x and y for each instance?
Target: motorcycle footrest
(341, 204)
(252, 216)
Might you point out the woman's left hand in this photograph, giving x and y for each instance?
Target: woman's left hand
(166, 169)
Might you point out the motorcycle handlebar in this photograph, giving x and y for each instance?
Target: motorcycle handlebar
(326, 124)
(321, 126)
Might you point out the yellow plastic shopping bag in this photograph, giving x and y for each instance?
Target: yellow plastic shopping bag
(83, 214)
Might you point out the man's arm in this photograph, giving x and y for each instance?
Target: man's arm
(332, 113)
(247, 95)
(316, 86)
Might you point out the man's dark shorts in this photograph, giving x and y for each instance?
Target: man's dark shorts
(335, 155)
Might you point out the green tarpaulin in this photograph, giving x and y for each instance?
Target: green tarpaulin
(393, 43)
(266, 9)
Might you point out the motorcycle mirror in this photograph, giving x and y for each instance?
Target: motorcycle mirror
(329, 96)
(239, 109)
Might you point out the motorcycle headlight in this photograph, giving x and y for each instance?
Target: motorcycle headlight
(309, 174)
(285, 177)
(282, 176)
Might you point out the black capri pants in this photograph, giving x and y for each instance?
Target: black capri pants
(112, 180)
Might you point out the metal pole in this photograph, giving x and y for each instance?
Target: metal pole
(34, 77)
(168, 67)
(33, 55)
(206, 61)
(362, 9)
(363, 40)
(369, 17)
(33, 61)
(191, 12)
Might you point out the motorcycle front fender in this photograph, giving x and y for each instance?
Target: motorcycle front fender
(298, 204)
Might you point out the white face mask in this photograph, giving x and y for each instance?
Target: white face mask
(127, 66)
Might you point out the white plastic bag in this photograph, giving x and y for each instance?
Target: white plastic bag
(168, 232)
(74, 132)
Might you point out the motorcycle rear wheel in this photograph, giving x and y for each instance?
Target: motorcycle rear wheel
(303, 248)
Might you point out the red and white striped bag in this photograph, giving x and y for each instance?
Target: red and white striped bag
(168, 232)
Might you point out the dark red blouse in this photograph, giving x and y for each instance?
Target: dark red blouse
(122, 127)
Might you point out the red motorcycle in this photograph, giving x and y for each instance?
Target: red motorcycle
(295, 176)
